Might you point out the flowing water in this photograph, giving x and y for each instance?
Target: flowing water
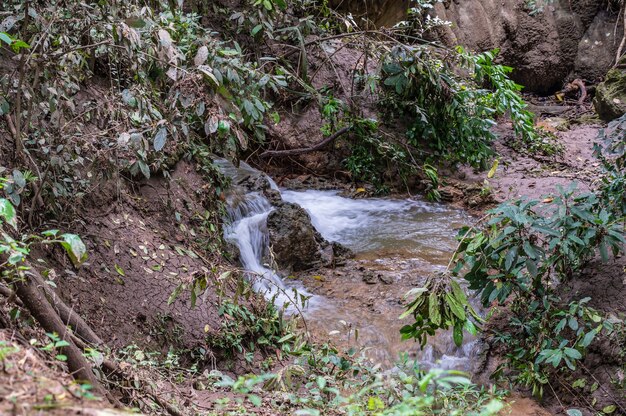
(401, 241)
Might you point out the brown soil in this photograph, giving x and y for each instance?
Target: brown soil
(531, 176)
(520, 175)
(30, 384)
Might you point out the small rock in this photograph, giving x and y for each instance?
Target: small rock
(370, 278)
(385, 279)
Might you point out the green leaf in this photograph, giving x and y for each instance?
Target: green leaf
(574, 412)
(573, 353)
(459, 294)
(455, 307)
(160, 139)
(609, 409)
(7, 211)
(75, 248)
(4, 106)
(457, 335)
(256, 30)
(255, 400)
(588, 338)
(119, 270)
(433, 309)
(6, 38)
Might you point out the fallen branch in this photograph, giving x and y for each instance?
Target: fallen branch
(318, 146)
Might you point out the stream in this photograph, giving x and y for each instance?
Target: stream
(398, 243)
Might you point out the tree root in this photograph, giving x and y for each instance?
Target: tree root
(33, 299)
(318, 146)
(70, 317)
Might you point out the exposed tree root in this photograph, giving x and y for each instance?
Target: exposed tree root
(34, 300)
(300, 151)
(70, 317)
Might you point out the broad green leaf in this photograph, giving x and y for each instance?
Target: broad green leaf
(6, 38)
(457, 335)
(456, 309)
(609, 409)
(75, 248)
(7, 212)
(433, 309)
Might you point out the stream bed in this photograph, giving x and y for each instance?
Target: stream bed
(397, 243)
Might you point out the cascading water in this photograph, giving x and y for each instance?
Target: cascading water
(422, 232)
(247, 229)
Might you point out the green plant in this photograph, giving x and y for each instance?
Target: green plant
(55, 343)
(452, 115)
(527, 243)
(324, 381)
(245, 330)
(611, 151)
(440, 304)
(6, 350)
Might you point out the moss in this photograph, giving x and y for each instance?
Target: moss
(610, 100)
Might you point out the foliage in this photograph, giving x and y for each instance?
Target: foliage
(244, 330)
(516, 257)
(16, 251)
(611, 151)
(322, 381)
(534, 7)
(167, 81)
(546, 335)
(440, 304)
(527, 243)
(452, 115)
(55, 343)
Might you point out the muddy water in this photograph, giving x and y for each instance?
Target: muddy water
(398, 244)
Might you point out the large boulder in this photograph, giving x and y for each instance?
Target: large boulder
(610, 100)
(295, 242)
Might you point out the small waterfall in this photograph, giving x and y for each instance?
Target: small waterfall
(248, 231)
(420, 229)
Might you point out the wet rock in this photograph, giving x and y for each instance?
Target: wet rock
(610, 100)
(273, 196)
(254, 182)
(295, 242)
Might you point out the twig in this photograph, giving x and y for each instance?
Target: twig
(623, 42)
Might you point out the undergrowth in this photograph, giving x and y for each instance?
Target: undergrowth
(517, 256)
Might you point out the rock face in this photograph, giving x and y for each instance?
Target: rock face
(380, 12)
(610, 100)
(560, 41)
(566, 40)
(295, 242)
